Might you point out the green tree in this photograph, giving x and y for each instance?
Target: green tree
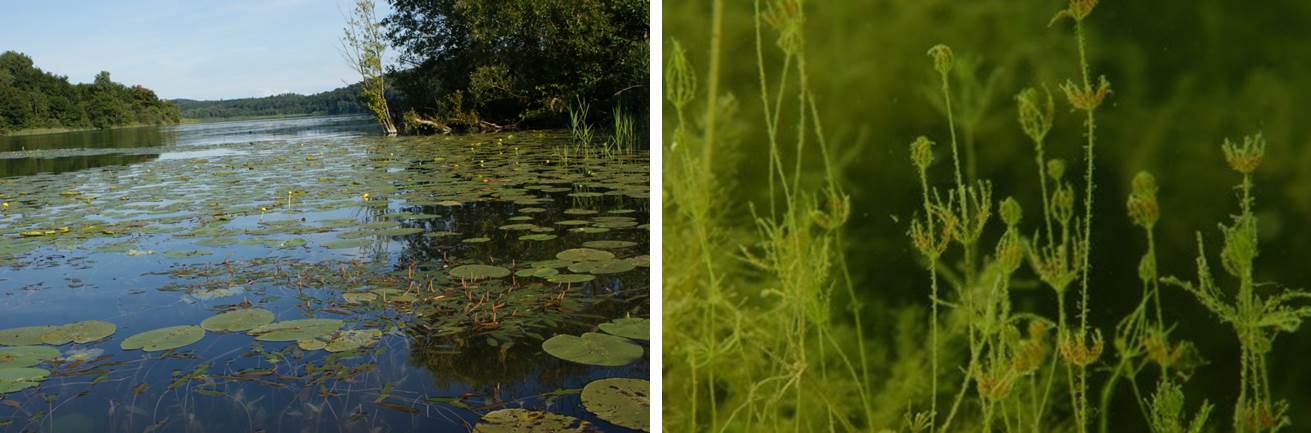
(519, 60)
(363, 46)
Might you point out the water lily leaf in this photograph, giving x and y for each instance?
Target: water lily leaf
(584, 254)
(171, 337)
(570, 278)
(353, 339)
(359, 297)
(186, 253)
(609, 245)
(629, 327)
(25, 336)
(593, 349)
(620, 401)
(349, 243)
(311, 344)
(537, 272)
(79, 332)
(206, 295)
(293, 330)
(26, 356)
(529, 421)
(537, 237)
(17, 379)
(238, 320)
(83, 354)
(476, 240)
(611, 267)
(478, 272)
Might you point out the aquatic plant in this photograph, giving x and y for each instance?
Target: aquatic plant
(1256, 318)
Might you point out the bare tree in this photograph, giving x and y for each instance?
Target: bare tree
(362, 45)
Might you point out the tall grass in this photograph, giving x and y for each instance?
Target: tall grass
(764, 326)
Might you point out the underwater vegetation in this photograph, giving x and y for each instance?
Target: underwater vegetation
(1023, 294)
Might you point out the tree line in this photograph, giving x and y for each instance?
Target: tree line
(478, 63)
(32, 98)
(343, 100)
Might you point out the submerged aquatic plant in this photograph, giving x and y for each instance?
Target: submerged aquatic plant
(1256, 318)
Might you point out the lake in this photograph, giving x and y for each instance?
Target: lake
(306, 274)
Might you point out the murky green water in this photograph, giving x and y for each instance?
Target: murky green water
(316, 218)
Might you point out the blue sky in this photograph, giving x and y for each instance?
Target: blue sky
(187, 49)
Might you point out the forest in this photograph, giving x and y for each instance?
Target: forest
(31, 98)
(521, 62)
(343, 100)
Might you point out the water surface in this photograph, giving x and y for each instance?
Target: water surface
(314, 218)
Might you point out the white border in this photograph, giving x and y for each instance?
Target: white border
(656, 160)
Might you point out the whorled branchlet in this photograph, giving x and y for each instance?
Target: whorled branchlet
(1035, 116)
(1142, 206)
(1011, 212)
(1063, 203)
(996, 382)
(921, 152)
(1086, 97)
(1056, 169)
(1245, 158)
(680, 82)
(787, 17)
(1078, 10)
(1010, 252)
(1078, 349)
(943, 59)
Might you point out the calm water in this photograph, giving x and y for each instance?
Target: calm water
(148, 228)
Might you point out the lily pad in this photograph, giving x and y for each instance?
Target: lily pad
(17, 379)
(593, 349)
(620, 401)
(171, 337)
(359, 297)
(79, 332)
(609, 245)
(476, 240)
(311, 344)
(25, 336)
(570, 278)
(353, 339)
(529, 421)
(629, 327)
(584, 254)
(26, 356)
(293, 330)
(478, 272)
(348, 243)
(537, 272)
(238, 320)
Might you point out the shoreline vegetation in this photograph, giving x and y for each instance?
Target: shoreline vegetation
(31, 98)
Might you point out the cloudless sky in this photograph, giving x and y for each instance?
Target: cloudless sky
(219, 49)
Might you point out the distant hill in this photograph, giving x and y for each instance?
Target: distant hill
(344, 100)
(31, 98)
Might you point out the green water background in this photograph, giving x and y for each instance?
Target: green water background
(1185, 75)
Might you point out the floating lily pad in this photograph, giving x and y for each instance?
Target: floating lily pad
(628, 327)
(529, 421)
(83, 354)
(620, 401)
(79, 332)
(537, 272)
(609, 245)
(519, 227)
(293, 330)
(479, 272)
(311, 344)
(537, 237)
(584, 254)
(571, 278)
(359, 297)
(476, 240)
(593, 349)
(186, 253)
(17, 379)
(25, 336)
(206, 295)
(353, 339)
(238, 320)
(164, 338)
(348, 243)
(26, 356)
(611, 267)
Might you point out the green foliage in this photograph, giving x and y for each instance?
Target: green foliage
(32, 98)
(520, 60)
(344, 100)
(363, 46)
